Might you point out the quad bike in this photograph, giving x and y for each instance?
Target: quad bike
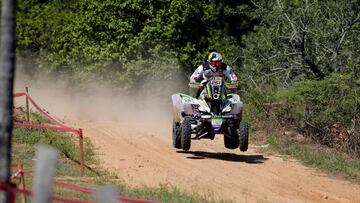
(214, 111)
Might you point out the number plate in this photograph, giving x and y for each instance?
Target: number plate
(216, 80)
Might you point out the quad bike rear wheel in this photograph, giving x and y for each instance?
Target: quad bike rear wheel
(186, 134)
(176, 135)
(243, 135)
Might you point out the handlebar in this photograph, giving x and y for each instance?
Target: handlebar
(228, 85)
(196, 85)
(231, 85)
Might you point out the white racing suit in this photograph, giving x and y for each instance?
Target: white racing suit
(205, 71)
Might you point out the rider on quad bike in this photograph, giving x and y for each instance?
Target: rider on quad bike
(213, 65)
(214, 111)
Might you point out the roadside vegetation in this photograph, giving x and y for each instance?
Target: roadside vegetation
(325, 111)
(316, 122)
(314, 155)
(26, 140)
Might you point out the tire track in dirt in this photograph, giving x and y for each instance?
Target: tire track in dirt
(141, 155)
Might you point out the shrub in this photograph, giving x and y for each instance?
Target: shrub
(326, 110)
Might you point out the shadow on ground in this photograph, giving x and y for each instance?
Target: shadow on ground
(251, 159)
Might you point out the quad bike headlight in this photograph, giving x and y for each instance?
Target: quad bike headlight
(227, 108)
(203, 107)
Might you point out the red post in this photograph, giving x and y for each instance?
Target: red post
(81, 143)
(27, 105)
(22, 183)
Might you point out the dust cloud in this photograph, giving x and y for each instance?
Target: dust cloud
(66, 100)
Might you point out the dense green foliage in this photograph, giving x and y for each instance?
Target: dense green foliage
(274, 42)
(292, 56)
(333, 98)
(299, 40)
(109, 39)
(272, 45)
(325, 110)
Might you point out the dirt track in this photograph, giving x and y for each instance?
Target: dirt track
(140, 150)
(143, 158)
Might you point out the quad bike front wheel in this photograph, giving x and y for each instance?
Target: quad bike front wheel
(176, 135)
(231, 142)
(186, 134)
(243, 135)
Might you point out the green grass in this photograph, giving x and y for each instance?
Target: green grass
(327, 161)
(26, 140)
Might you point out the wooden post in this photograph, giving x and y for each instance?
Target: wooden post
(44, 172)
(355, 138)
(27, 105)
(7, 69)
(22, 184)
(81, 144)
(106, 193)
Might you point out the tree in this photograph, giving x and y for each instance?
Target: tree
(301, 39)
(102, 38)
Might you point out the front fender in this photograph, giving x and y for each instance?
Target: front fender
(177, 107)
(237, 105)
(182, 103)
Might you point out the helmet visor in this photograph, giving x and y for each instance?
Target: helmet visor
(215, 63)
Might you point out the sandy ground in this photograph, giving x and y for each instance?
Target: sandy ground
(143, 155)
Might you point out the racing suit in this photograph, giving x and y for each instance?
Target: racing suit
(205, 71)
